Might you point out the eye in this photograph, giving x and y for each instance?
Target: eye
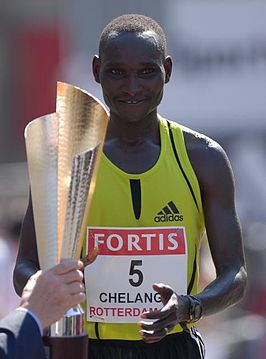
(147, 71)
(116, 72)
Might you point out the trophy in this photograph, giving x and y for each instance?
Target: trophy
(63, 151)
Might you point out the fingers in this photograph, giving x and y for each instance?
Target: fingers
(162, 321)
(64, 280)
(90, 258)
(151, 337)
(75, 288)
(65, 295)
(77, 299)
(164, 312)
(164, 290)
(153, 331)
(50, 294)
(73, 276)
(168, 298)
(157, 326)
(74, 294)
(66, 265)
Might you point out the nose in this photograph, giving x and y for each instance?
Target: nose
(132, 85)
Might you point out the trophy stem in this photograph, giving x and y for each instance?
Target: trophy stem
(66, 338)
(71, 324)
(66, 347)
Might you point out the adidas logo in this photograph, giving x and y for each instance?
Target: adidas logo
(169, 213)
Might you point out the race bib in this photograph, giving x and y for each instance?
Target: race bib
(119, 283)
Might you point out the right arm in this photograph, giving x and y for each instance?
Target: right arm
(49, 294)
(45, 299)
(27, 262)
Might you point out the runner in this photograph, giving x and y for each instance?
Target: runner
(160, 187)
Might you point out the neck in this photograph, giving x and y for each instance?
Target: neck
(133, 131)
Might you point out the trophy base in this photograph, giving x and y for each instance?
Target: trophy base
(66, 347)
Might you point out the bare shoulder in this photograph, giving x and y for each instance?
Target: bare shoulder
(209, 160)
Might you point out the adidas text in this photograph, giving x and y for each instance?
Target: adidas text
(169, 218)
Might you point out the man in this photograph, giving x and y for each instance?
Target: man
(45, 299)
(160, 185)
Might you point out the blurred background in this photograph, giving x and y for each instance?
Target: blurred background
(218, 87)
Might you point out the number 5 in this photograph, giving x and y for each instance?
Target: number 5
(138, 272)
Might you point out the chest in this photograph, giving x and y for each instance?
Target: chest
(135, 158)
(157, 197)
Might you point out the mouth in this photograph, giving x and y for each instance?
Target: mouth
(132, 102)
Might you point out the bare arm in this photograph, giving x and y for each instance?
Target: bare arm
(215, 177)
(27, 262)
(223, 229)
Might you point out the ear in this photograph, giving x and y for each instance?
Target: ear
(96, 63)
(167, 68)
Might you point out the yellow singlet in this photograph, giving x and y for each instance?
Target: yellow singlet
(158, 206)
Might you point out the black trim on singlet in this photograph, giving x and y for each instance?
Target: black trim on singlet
(193, 276)
(136, 196)
(179, 164)
(97, 334)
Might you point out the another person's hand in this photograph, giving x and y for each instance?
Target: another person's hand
(175, 310)
(50, 294)
(91, 257)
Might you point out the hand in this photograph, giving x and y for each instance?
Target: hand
(50, 294)
(90, 258)
(175, 310)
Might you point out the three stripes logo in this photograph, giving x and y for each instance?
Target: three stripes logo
(169, 213)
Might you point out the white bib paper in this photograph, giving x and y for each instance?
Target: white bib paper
(119, 283)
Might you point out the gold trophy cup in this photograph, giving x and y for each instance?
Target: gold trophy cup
(63, 152)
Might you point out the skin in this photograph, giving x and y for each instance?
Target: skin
(27, 262)
(50, 294)
(132, 140)
(224, 235)
(132, 73)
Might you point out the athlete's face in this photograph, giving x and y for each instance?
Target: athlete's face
(132, 73)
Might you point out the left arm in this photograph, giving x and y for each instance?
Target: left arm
(223, 231)
(215, 177)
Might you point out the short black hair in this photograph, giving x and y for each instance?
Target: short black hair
(133, 23)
